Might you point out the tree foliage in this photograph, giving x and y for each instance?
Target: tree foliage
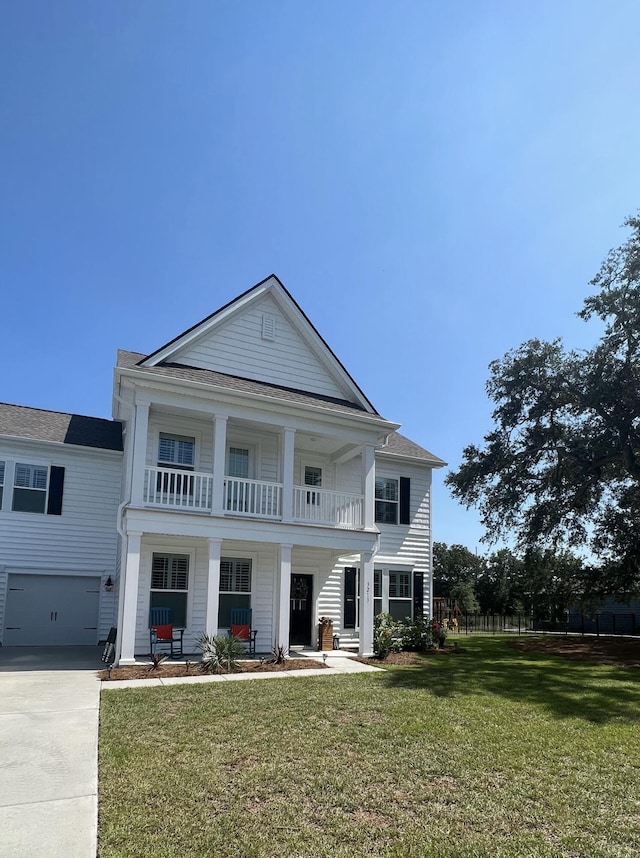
(561, 467)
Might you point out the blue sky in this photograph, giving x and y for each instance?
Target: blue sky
(435, 182)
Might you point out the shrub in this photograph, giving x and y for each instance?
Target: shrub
(219, 653)
(439, 632)
(416, 635)
(386, 637)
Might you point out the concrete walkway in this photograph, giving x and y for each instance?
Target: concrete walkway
(49, 700)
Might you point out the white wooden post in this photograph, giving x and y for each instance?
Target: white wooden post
(369, 485)
(284, 596)
(365, 647)
(288, 447)
(213, 587)
(127, 630)
(219, 458)
(139, 458)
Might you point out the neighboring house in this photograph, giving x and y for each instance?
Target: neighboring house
(257, 474)
(60, 484)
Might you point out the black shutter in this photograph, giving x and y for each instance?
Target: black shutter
(418, 595)
(405, 500)
(56, 486)
(349, 619)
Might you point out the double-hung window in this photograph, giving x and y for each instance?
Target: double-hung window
(30, 488)
(235, 587)
(176, 452)
(170, 585)
(386, 500)
(400, 595)
(313, 477)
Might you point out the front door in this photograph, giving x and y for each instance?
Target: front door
(301, 602)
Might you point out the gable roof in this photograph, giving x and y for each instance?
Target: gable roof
(271, 286)
(135, 361)
(21, 421)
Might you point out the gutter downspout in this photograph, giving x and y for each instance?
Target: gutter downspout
(121, 531)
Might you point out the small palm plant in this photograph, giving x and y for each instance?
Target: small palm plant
(219, 653)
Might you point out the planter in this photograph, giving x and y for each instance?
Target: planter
(325, 637)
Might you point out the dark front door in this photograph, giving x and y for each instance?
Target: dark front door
(300, 611)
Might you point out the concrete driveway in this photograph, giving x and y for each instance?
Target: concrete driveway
(49, 701)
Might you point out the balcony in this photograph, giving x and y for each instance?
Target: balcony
(189, 491)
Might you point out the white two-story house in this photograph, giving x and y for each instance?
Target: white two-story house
(258, 474)
(244, 467)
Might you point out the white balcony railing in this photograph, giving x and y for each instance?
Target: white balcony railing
(186, 490)
(193, 492)
(319, 506)
(252, 497)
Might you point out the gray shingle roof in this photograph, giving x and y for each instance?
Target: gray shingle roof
(398, 445)
(130, 360)
(24, 422)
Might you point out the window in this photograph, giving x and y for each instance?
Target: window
(313, 477)
(176, 451)
(1, 482)
(386, 501)
(393, 500)
(170, 585)
(37, 488)
(235, 588)
(239, 462)
(400, 601)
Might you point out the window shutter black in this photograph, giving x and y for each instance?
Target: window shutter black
(418, 595)
(56, 486)
(349, 619)
(405, 500)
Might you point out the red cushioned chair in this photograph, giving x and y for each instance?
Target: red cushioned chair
(162, 634)
(241, 628)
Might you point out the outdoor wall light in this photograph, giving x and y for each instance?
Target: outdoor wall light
(108, 584)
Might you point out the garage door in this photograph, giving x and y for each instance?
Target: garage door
(51, 610)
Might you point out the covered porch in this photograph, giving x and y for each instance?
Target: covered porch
(287, 587)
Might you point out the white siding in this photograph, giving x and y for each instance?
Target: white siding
(237, 348)
(81, 541)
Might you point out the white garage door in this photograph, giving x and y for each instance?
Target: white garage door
(51, 610)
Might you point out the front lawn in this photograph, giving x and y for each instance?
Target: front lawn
(493, 751)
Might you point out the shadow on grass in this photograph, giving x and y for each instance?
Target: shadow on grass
(596, 693)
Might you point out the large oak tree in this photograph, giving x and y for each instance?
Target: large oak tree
(562, 464)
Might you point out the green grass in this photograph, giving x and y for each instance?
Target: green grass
(491, 752)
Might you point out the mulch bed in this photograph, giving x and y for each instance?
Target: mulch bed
(411, 657)
(166, 670)
(622, 652)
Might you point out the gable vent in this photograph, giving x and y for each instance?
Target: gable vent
(268, 327)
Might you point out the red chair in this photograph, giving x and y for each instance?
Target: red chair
(163, 634)
(241, 628)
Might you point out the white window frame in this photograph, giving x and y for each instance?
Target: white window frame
(378, 500)
(174, 552)
(312, 497)
(176, 436)
(235, 558)
(385, 572)
(40, 466)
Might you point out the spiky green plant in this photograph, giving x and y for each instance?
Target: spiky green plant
(220, 653)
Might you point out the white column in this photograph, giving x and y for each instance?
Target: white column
(213, 587)
(366, 604)
(131, 572)
(139, 458)
(284, 596)
(369, 484)
(288, 447)
(219, 459)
